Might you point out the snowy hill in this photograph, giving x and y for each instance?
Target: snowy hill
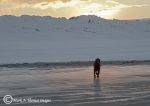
(48, 39)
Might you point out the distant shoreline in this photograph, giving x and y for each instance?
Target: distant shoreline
(75, 63)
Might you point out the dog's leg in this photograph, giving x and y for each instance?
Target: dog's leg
(98, 72)
(94, 73)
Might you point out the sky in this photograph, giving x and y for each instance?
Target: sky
(109, 9)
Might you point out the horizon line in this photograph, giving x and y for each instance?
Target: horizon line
(146, 18)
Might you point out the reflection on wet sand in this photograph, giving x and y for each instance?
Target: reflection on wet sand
(117, 85)
(97, 87)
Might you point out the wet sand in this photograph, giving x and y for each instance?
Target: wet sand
(118, 85)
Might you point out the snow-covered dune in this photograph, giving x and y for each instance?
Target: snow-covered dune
(48, 39)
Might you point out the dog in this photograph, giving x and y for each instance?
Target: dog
(97, 66)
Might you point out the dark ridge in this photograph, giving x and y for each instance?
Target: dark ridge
(75, 64)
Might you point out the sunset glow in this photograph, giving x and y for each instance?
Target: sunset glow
(120, 9)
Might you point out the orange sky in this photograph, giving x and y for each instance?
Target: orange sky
(110, 9)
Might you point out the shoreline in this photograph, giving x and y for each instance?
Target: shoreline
(74, 63)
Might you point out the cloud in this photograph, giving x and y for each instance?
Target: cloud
(111, 8)
(58, 4)
(35, 1)
(68, 8)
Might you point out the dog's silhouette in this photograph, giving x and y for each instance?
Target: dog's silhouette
(97, 66)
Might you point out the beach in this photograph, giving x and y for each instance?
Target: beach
(118, 85)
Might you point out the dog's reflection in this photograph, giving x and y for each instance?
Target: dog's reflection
(97, 86)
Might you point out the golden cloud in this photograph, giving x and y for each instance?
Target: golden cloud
(66, 8)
